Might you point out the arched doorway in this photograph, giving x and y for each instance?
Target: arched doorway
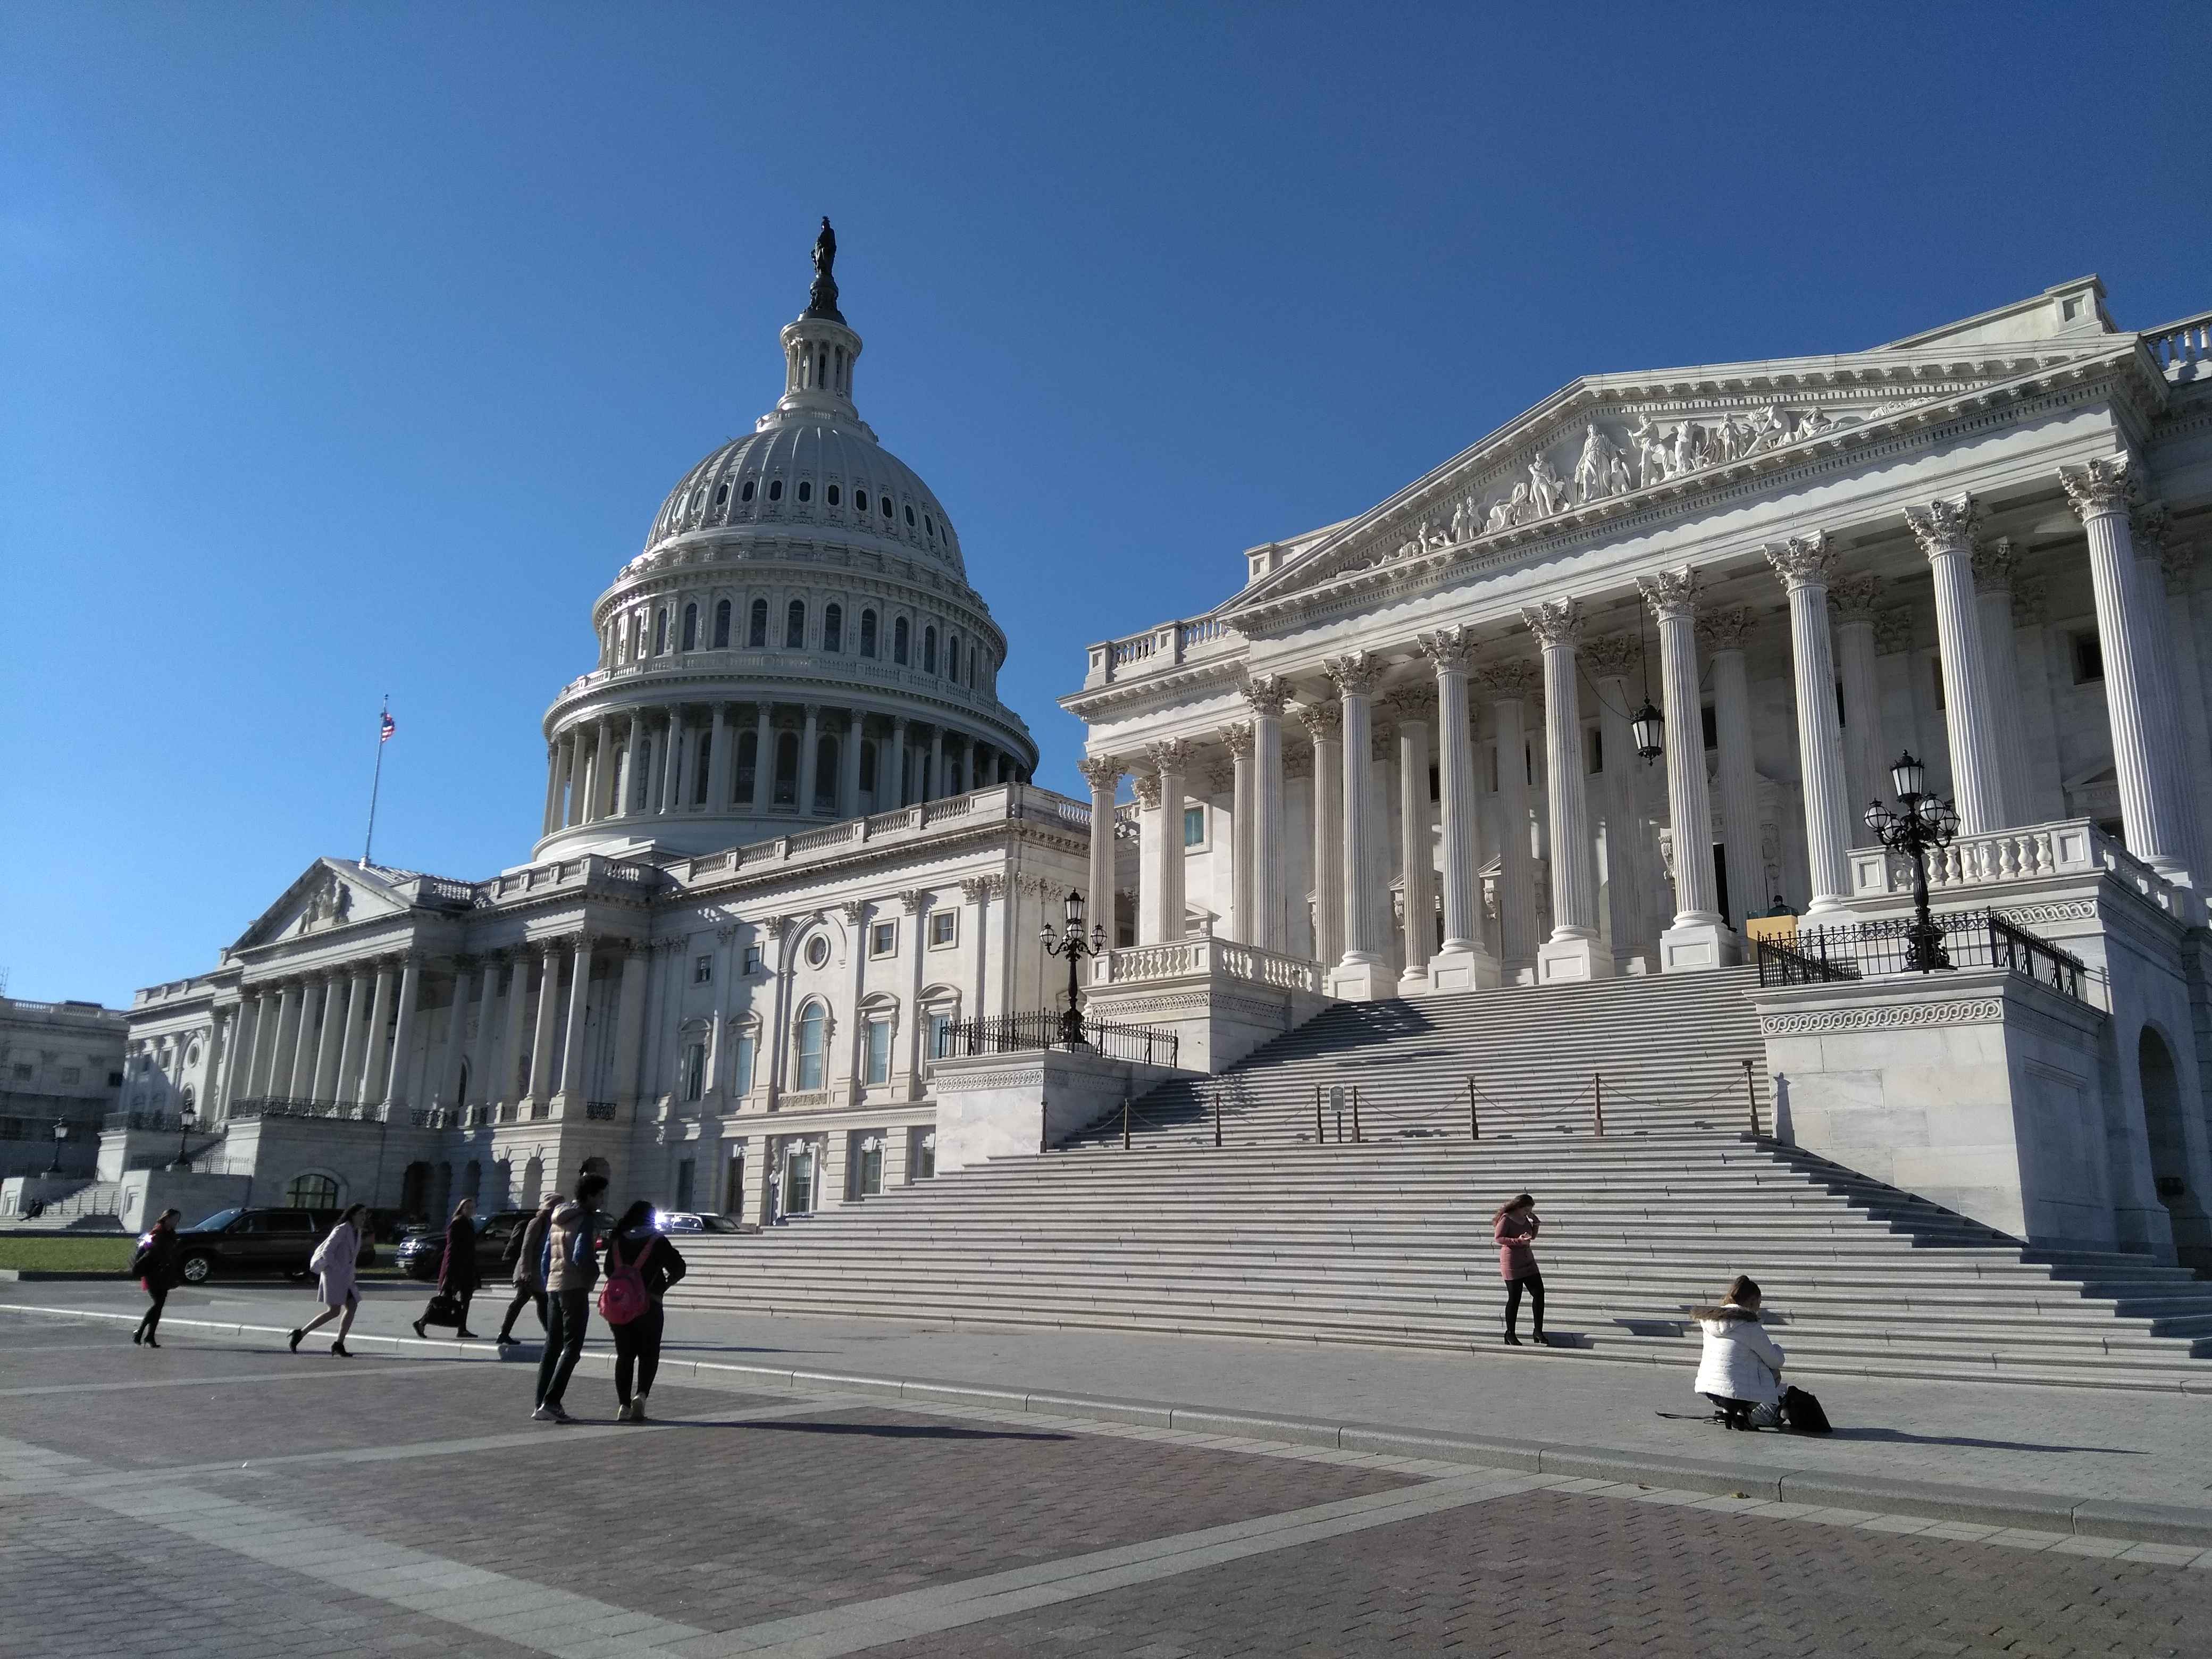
(2164, 1128)
(414, 1191)
(534, 1181)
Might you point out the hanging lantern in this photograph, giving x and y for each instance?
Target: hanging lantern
(1649, 729)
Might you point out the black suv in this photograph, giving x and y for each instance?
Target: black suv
(258, 1241)
(422, 1254)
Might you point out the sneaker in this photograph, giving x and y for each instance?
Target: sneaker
(637, 1410)
(546, 1414)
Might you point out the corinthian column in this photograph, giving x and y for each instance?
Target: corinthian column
(1866, 765)
(1361, 974)
(1463, 962)
(1237, 738)
(377, 1048)
(540, 1092)
(1575, 950)
(1993, 567)
(1699, 937)
(1324, 724)
(1610, 661)
(2151, 817)
(572, 1042)
(1945, 530)
(1722, 633)
(1169, 761)
(2169, 749)
(1510, 684)
(1409, 708)
(1803, 563)
(402, 1031)
(1103, 773)
(1264, 694)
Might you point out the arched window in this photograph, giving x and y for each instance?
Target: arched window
(833, 627)
(787, 770)
(746, 493)
(756, 626)
(825, 774)
(898, 641)
(311, 1192)
(971, 668)
(885, 501)
(805, 489)
(473, 1177)
(867, 632)
(722, 625)
(661, 631)
(831, 494)
(929, 649)
(747, 763)
(702, 753)
(813, 1045)
(775, 489)
(929, 524)
(690, 628)
(953, 657)
(910, 515)
(860, 500)
(794, 626)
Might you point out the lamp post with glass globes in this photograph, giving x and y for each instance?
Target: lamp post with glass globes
(1074, 943)
(1927, 824)
(61, 1133)
(185, 1116)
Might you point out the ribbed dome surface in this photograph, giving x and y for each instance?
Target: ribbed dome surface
(846, 478)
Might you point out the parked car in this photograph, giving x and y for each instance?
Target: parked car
(246, 1240)
(693, 1221)
(423, 1252)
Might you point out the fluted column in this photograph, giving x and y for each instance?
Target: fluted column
(1236, 737)
(483, 1056)
(1721, 633)
(301, 1086)
(2150, 816)
(1324, 724)
(445, 1084)
(571, 1091)
(540, 1092)
(549, 823)
(564, 790)
(403, 1032)
(1866, 757)
(238, 1059)
(1170, 760)
(1510, 687)
(1945, 530)
(1463, 962)
(848, 789)
(2170, 749)
(672, 774)
(1576, 951)
(329, 1042)
(503, 1088)
(933, 785)
(1103, 773)
(1361, 974)
(763, 757)
(1610, 661)
(809, 758)
(629, 1024)
(1803, 564)
(375, 1046)
(1993, 567)
(1409, 708)
(890, 784)
(1699, 937)
(1264, 694)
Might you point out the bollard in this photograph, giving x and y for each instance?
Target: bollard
(1125, 1123)
(1321, 1130)
(1044, 1133)
(1355, 1115)
(1751, 1097)
(1216, 1116)
(1473, 1118)
(1597, 1081)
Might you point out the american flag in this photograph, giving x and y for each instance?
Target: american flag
(387, 728)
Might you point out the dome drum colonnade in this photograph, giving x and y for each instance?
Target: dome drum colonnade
(1334, 700)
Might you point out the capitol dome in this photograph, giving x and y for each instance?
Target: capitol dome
(796, 644)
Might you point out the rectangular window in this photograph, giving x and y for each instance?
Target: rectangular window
(1436, 785)
(744, 1068)
(882, 939)
(753, 959)
(702, 969)
(694, 1071)
(1594, 746)
(1193, 826)
(880, 1051)
(1935, 672)
(115, 1079)
(2088, 655)
(687, 1180)
(921, 1157)
(868, 1167)
(944, 928)
(1712, 734)
(939, 1030)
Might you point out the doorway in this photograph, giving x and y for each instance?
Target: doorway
(799, 1179)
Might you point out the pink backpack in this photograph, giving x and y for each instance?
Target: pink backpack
(622, 1298)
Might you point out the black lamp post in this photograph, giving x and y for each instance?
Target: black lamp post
(61, 1133)
(1926, 824)
(185, 1116)
(1074, 943)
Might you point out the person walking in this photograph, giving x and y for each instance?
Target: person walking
(156, 1264)
(456, 1272)
(1515, 1227)
(1740, 1369)
(642, 1264)
(569, 1265)
(521, 1258)
(333, 1263)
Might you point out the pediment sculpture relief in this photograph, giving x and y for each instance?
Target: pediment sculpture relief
(329, 906)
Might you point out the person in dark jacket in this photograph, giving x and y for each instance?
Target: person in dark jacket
(1515, 1227)
(457, 1273)
(635, 1242)
(156, 1264)
(519, 1259)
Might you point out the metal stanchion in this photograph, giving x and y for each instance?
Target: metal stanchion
(1751, 1099)
(1044, 1132)
(1125, 1123)
(1473, 1118)
(1321, 1130)
(1217, 1115)
(1355, 1115)
(1597, 1081)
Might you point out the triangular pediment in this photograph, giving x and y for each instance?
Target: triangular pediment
(1609, 444)
(330, 893)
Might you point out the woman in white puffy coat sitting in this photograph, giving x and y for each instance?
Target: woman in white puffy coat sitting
(1741, 1370)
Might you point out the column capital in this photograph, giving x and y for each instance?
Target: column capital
(1411, 705)
(1510, 681)
(1946, 525)
(855, 911)
(1323, 721)
(1995, 562)
(974, 889)
(1172, 755)
(1555, 622)
(1265, 694)
(1447, 648)
(913, 901)
(1670, 594)
(1892, 631)
(1726, 629)
(1354, 673)
(1102, 772)
(1854, 596)
(1612, 656)
(1801, 560)
(1147, 786)
(2099, 485)
(1236, 737)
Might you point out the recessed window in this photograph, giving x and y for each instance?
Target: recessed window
(817, 951)
(899, 641)
(880, 1051)
(748, 1046)
(1193, 826)
(775, 489)
(756, 626)
(1592, 749)
(813, 1045)
(2088, 653)
(722, 625)
(702, 969)
(794, 626)
(695, 1070)
(885, 502)
(944, 928)
(883, 938)
(860, 500)
(929, 650)
(805, 489)
(833, 627)
(1712, 733)
(938, 1027)
(929, 524)
(830, 495)
(690, 628)
(660, 632)
(867, 632)
(753, 959)
(746, 494)
(721, 495)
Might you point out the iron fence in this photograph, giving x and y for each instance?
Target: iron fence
(1866, 950)
(1045, 1028)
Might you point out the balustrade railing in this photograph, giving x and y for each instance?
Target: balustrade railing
(1046, 1028)
(2030, 853)
(1883, 949)
(2183, 350)
(1160, 648)
(1182, 958)
(338, 1111)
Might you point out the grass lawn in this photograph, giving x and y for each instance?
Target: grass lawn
(68, 1256)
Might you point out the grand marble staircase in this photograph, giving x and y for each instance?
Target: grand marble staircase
(1385, 1241)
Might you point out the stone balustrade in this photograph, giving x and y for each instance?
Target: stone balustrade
(2037, 852)
(1159, 648)
(1207, 955)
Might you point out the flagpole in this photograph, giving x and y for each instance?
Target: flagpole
(377, 783)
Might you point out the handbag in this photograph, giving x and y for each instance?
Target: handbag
(1803, 1413)
(444, 1310)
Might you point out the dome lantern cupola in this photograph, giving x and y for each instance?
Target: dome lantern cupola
(818, 349)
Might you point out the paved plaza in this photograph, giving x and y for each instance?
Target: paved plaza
(223, 1496)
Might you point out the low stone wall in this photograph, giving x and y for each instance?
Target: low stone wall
(1009, 1105)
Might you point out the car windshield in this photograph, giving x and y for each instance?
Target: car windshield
(220, 1219)
(717, 1224)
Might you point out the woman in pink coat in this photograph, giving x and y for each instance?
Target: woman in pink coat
(1515, 1227)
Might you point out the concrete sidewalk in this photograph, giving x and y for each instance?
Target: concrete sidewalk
(2036, 1454)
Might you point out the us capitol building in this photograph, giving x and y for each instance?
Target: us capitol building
(1607, 693)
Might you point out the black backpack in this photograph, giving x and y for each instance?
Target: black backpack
(1803, 1413)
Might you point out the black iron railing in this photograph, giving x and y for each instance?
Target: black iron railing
(275, 1106)
(1006, 1034)
(1869, 950)
(599, 1111)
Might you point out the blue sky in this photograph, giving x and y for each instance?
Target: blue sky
(349, 349)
